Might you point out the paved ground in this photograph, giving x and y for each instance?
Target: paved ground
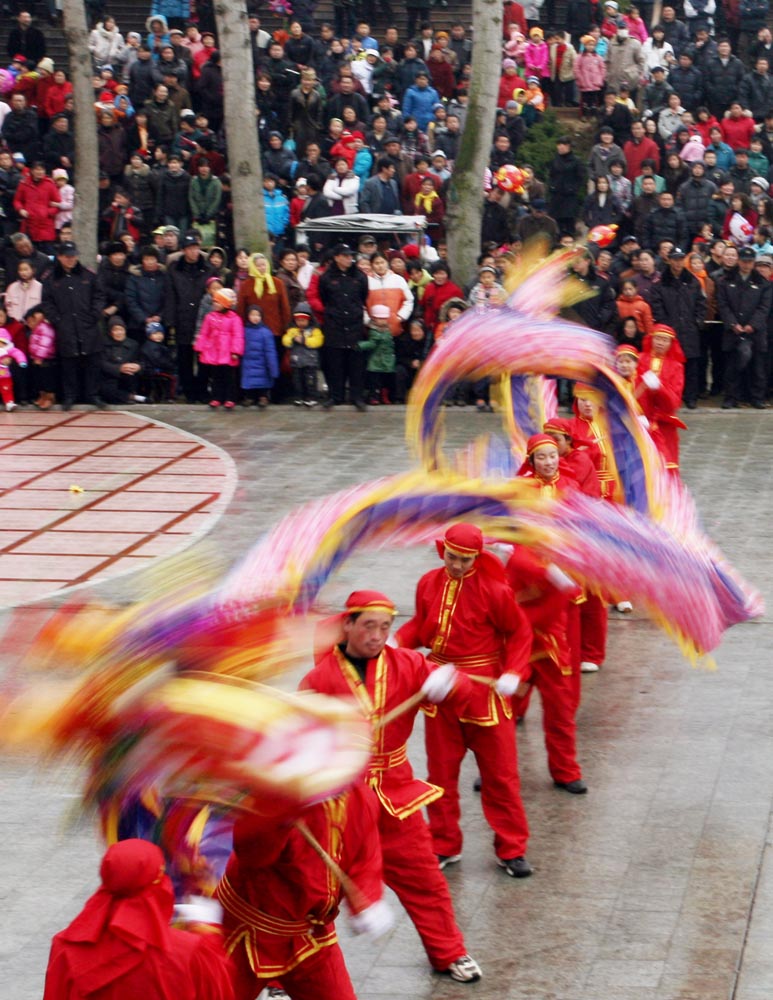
(658, 884)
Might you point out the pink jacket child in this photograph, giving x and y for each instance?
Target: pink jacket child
(537, 54)
(8, 353)
(42, 342)
(220, 344)
(590, 72)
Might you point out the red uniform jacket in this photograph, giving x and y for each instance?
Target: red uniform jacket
(579, 465)
(279, 899)
(476, 624)
(593, 430)
(389, 681)
(660, 405)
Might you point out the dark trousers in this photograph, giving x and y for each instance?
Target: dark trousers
(223, 384)
(711, 350)
(192, 385)
(118, 390)
(692, 372)
(82, 370)
(344, 364)
(305, 383)
(755, 372)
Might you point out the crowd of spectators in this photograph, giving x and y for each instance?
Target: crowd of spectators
(357, 120)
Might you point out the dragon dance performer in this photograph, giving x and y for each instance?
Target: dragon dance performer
(544, 593)
(590, 422)
(121, 944)
(280, 898)
(466, 614)
(660, 382)
(382, 678)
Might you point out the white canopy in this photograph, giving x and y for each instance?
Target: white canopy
(366, 223)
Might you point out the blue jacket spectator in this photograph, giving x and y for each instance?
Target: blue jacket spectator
(419, 101)
(276, 207)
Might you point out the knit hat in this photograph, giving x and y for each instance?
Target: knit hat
(114, 322)
(153, 327)
(508, 64)
(59, 172)
(538, 32)
(225, 297)
(761, 182)
(46, 64)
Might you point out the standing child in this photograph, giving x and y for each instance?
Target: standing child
(9, 353)
(220, 344)
(380, 348)
(304, 340)
(260, 368)
(66, 197)
(159, 371)
(42, 351)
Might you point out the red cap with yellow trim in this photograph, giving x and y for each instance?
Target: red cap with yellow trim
(461, 539)
(537, 441)
(369, 600)
(664, 331)
(627, 349)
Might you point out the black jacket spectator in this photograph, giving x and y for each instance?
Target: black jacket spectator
(687, 81)
(140, 185)
(184, 287)
(111, 282)
(73, 305)
(598, 309)
(494, 226)
(172, 198)
(680, 303)
(723, 83)
(28, 42)
(677, 35)
(343, 294)
(56, 147)
(567, 180)
(694, 198)
(665, 224)
(143, 77)
(744, 302)
(20, 131)
(144, 298)
(756, 93)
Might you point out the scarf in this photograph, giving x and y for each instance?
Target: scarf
(425, 203)
(261, 281)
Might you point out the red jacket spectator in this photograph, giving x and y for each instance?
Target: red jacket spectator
(636, 151)
(737, 132)
(509, 82)
(35, 202)
(443, 79)
(513, 14)
(434, 297)
(55, 95)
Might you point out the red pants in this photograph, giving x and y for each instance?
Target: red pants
(593, 630)
(559, 705)
(573, 640)
(447, 741)
(323, 976)
(6, 389)
(411, 871)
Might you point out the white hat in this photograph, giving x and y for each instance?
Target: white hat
(761, 182)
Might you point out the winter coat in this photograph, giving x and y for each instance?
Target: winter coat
(681, 304)
(204, 198)
(156, 358)
(57, 145)
(596, 214)
(275, 307)
(143, 77)
(756, 93)
(35, 197)
(73, 305)
(42, 342)
(172, 195)
(343, 295)
(418, 102)
(277, 211)
(601, 157)
(116, 353)
(407, 71)
(567, 178)
(112, 282)
(305, 354)
(184, 287)
(625, 63)
(162, 120)
(144, 297)
(140, 185)
(723, 83)
(665, 224)
(106, 46)
(536, 57)
(656, 96)
(306, 117)
(20, 131)
(370, 195)
(635, 152)
(221, 336)
(689, 84)
(342, 191)
(260, 367)
(598, 309)
(391, 290)
(111, 144)
(639, 309)
(590, 72)
(746, 303)
(380, 349)
(21, 297)
(694, 197)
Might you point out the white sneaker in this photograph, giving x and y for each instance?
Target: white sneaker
(587, 667)
(625, 606)
(139, 399)
(447, 859)
(10, 406)
(464, 970)
(277, 993)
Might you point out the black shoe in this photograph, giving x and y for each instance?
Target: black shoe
(730, 404)
(360, 407)
(477, 784)
(516, 867)
(99, 403)
(66, 404)
(691, 404)
(759, 405)
(328, 404)
(576, 787)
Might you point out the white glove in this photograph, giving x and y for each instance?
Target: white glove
(440, 683)
(651, 380)
(507, 685)
(199, 910)
(391, 642)
(559, 579)
(374, 921)
(644, 422)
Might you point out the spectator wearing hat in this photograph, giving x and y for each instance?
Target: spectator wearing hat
(144, 293)
(744, 304)
(343, 291)
(185, 281)
(378, 345)
(758, 191)
(678, 301)
(625, 60)
(120, 366)
(112, 278)
(566, 182)
(72, 303)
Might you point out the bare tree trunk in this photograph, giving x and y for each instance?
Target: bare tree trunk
(86, 182)
(465, 195)
(241, 126)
